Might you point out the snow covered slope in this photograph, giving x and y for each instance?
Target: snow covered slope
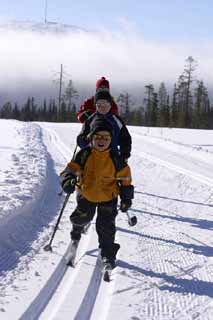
(165, 264)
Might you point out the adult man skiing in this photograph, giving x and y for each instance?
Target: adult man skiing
(88, 107)
(102, 177)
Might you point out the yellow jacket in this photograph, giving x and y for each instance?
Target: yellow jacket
(99, 174)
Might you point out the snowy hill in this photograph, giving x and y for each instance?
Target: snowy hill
(39, 27)
(165, 264)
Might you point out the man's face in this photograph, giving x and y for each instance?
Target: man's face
(101, 140)
(103, 106)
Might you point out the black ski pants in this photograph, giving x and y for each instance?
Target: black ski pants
(105, 223)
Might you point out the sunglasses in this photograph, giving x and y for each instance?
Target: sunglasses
(103, 104)
(105, 137)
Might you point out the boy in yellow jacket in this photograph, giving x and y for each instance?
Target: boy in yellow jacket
(101, 176)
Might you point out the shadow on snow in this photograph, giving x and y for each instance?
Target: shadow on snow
(198, 223)
(175, 199)
(197, 249)
(174, 284)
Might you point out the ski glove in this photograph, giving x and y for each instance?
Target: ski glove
(68, 182)
(69, 185)
(124, 159)
(126, 195)
(125, 205)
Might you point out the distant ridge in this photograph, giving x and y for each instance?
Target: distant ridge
(41, 27)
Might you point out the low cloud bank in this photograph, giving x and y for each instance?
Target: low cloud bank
(30, 61)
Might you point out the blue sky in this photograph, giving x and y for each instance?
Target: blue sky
(165, 20)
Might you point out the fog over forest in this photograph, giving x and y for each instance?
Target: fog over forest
(30, 62)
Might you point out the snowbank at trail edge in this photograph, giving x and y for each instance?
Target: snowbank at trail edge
(23, 164)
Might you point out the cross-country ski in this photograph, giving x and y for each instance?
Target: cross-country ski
(71, 254)
(107, 271)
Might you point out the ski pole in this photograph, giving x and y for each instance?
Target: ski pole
(73, 156)
(131, 220)
(48, 247)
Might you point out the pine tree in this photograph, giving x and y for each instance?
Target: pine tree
(62, 113)
(16, 112)
(70, 94)
(163, 106)
(7, 111)
(151, 106)
(210, 119)
(201, 107)
(137, 117)
(52, 111)
(33, 116)
(185, 102)
(44, 112)
(26, 111)
(125, 102)
(174, 108)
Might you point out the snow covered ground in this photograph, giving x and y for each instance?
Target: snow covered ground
(165, 264)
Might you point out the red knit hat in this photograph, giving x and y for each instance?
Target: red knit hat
(103, 82)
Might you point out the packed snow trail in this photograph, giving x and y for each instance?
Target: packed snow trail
(165, 264)
(82, 303)
(24, 224)
(171, 279)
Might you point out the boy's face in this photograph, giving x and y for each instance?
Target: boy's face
(101, 140)
(103, 106)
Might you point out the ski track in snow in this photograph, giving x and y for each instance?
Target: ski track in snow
(165, 265)
(59, 305)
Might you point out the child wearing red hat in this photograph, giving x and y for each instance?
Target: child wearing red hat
(88, 106)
